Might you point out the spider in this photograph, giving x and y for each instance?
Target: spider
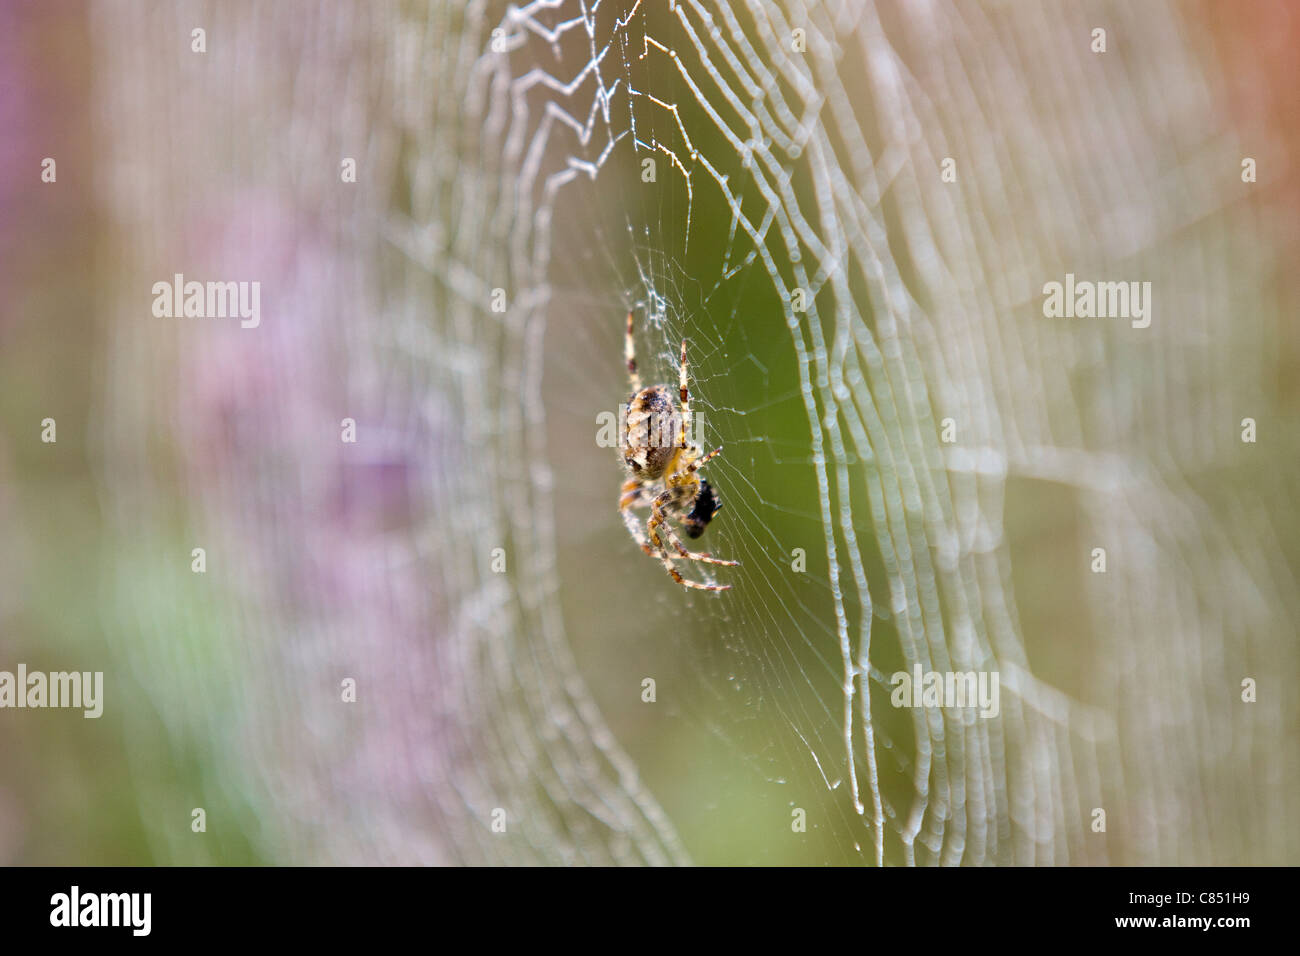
(663, 470)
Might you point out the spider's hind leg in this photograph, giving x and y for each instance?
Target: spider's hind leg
(629, 353)
(684, 395)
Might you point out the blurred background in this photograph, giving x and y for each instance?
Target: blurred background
(450, 208)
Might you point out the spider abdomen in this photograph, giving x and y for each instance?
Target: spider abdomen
(651, 436)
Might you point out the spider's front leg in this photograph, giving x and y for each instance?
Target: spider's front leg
(658, 518)
(699, 461)
(685, 479)
(704, 557)
(634, 496)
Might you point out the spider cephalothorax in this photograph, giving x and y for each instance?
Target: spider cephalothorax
(664, 471)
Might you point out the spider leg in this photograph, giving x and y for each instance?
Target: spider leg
(632, 493)
(685, 396)
(634, 496)
(657, 518)
(702, 556)
(629, 352)
(676, 481)
(699, 463)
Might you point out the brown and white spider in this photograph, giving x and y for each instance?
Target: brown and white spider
(664, 472)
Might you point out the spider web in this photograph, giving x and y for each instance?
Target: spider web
(510, 144)
(776, 174)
